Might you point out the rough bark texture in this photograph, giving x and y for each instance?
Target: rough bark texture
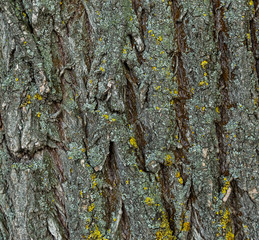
(129, 119)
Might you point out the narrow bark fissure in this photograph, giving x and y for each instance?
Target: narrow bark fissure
(142, 19)
(167, 196)
(58, 163)
(182, 118)
(132, 115)
(89, 56)
(191, 200)
(253, 29)
(111, 193)
(59, 196)
(225, 77)
(125, 224)
(235, 205)
(225, 104)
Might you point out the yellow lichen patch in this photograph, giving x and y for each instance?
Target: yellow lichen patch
(93, 177)
(83, 149)
(157, 108)
(154, 68)
(81, 194)
(165, 232)
(225, 220)
(149, 31)
(251, 3)
(91, 207)
(37, 96)
(203, 108)
(127, 181)
(201, 83)
(178, 174)
(106, 116)
(95, 234)
(28, 99)
(204, 63)
(38, 115)
(225, 188)
(149, 201)
(186, 226)
(100, 39)
(230, 235)
(217, 110)
(180, 180)
(157, 87)
(133, 142)
(101, 69)
(16, 79)
(168, 160)
(205, 74)
(124, 51)
(248, 36)
(172, 102)
(192, 90)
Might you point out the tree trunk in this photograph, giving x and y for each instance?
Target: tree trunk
(129, 119)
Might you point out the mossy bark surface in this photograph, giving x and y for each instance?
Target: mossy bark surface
(129, 119)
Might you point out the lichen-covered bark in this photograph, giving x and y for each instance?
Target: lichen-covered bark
(129, 119)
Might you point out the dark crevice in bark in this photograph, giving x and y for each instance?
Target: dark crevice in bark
(11, 58)
(111, 193)
(222, 150)
(235, 205)
(132, 115)
(167, 195)
(125, 224)
(58, 163)
(225, 77)
(191, 200)
(25, 16)
(142, 19)
(1, 123)
(59, 196)
(225, 104)
(182, 80)
(255, 45)
(89, 53)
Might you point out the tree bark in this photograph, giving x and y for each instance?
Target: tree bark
(129, 119)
